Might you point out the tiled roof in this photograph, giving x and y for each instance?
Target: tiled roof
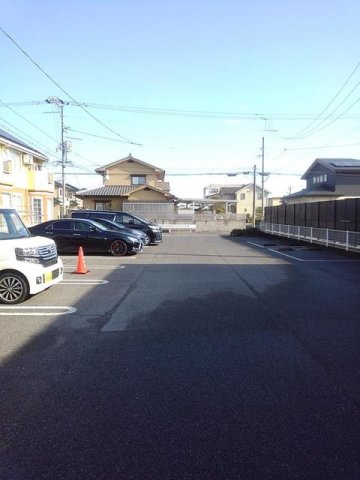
(107, 191)
(129, 158)
(315, 193)
(231, 190)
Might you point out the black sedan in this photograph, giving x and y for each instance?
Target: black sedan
(110, 225)
(70, 234)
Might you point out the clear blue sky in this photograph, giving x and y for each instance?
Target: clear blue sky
(260, 58)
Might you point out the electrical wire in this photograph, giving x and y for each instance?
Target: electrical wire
(192, 113)
(307, 131)
(98, 136)
(29, 139)
(28, 121)
(63, 90)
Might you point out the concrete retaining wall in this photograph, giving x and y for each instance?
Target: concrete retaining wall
(218, 226)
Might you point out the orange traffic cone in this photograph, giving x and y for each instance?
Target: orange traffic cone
(81, 267)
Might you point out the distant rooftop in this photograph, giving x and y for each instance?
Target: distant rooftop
(11, 138)
(337, 165)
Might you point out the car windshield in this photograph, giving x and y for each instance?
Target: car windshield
(11, 226)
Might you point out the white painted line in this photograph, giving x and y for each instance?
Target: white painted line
(96, 267)
(286, 255)
(328, 260)
(83, 282)
(299, 259)
(15, 310)
(256, 244)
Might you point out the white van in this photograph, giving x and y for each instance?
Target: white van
(28, 264)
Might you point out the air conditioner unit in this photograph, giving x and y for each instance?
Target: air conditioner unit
(28, 159)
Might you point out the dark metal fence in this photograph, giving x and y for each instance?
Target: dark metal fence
(334, 214)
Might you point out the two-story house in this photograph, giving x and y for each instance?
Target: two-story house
(132, 185)
(24, 182)
(71, 201)
(242, 196)
(328, 179)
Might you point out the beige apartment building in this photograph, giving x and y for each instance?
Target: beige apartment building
(25, 184)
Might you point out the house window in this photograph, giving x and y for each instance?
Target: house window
(17, 202)
(138, 179)
(242, 196)
(102, 205)
(319, 179)
(37, 210)
(5, 200)
(7, 166)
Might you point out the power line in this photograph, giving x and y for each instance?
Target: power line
(30, 140)
(302, 133)
(190, 113)
(63, 90)
(229, 174)
(205, 114)
(27, 121)
(98, 136)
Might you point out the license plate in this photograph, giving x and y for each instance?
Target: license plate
(51, 275)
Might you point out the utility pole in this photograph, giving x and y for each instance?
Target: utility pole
(254, 196)
(262, 176)
(60, 104)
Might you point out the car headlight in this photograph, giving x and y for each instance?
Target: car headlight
(27, 254)
(155, 229)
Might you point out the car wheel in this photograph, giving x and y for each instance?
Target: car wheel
(118, 248)
(13, 288)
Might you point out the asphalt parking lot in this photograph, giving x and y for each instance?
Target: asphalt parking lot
(205, 357)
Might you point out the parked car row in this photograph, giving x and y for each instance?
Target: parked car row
(102, 231)
(125, 219)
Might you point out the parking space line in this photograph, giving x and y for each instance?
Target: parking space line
(97, 267)
(287, 255)
(83, 282)
(22, 310)
(301, 259)
(256, 244)
(276, 251)
(330, 260)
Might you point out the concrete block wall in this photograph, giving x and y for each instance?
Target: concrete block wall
(219, 226)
